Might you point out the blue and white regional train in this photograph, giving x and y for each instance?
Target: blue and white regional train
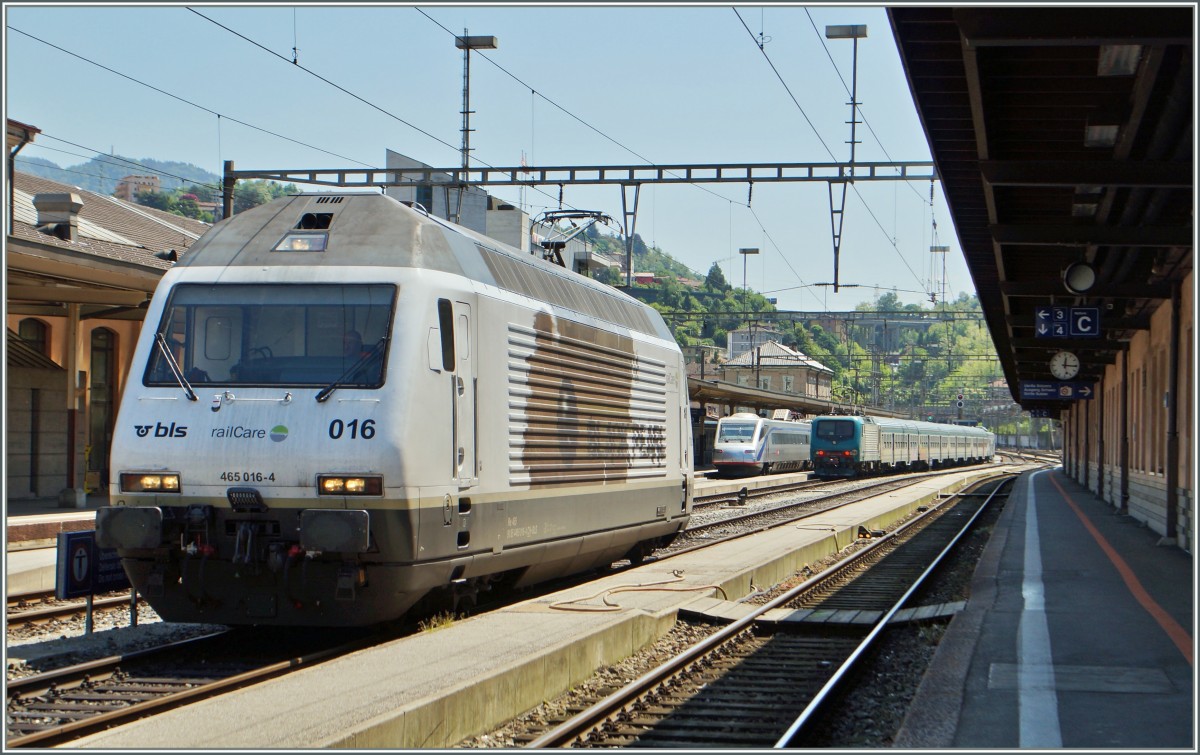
(748, 444)
(502, 420)
(850, 446)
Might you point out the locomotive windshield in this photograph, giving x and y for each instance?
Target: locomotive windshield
(834, 429)
(268, 335)
(736, 432)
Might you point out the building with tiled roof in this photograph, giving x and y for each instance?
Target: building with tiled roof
(775, 367)
(80, 268)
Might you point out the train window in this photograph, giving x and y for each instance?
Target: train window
(735, 432)
(302, 241)
(446, 325)
(287, 335)
(218, 335)
(834, 429)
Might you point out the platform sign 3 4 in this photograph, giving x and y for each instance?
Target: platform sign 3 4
(1066, 322)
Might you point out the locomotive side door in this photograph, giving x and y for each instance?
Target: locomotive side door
(464, 392)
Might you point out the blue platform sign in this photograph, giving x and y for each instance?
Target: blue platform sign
(1066, 322)
(83, 569)
(1085, 322)
(1056, 390)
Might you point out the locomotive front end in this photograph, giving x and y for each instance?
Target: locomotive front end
(836, 444)
(250, 456)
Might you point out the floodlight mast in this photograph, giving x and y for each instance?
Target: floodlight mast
(837, 214)
(466, 44)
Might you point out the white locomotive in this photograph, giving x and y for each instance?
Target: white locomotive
(340, 405)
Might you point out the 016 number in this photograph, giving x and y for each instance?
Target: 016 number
(354, 429)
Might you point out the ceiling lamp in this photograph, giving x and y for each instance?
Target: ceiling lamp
(1079, 277)
(1103, 125)
(1118, 60)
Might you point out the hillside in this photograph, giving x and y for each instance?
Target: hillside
(101, 173)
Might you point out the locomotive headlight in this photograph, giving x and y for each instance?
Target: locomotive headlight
(153, 482)
(349, 485)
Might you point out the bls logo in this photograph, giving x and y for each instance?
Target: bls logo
(162, 431)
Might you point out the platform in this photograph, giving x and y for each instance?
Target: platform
(32, 526)
(437, 688)
(1079, 634)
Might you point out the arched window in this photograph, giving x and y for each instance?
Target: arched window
(35, 333)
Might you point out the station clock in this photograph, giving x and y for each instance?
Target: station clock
(1064, 365)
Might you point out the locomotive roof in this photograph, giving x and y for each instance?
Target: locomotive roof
(912, 425)
(348, 229)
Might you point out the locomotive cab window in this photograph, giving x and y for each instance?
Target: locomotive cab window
(835, 429)
(736, 432)
(274, 335)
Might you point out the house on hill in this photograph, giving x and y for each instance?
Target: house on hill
(775, 367)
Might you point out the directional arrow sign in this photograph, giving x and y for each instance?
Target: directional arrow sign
(1061, 390)
(1066, 322)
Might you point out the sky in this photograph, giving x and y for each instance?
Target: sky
(336, 86)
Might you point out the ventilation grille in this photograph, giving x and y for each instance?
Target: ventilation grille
(329, 200)
(532, 281)
(582, 413)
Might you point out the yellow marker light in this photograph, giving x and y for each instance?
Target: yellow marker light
(141, 482)
(347, 485)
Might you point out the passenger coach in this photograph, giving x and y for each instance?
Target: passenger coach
(849, 446)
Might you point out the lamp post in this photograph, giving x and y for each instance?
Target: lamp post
(745, 252)
(466, 44)
(855, 32)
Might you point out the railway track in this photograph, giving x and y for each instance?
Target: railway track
(43, 607)
(760, 681)
(744, 518)
(57, 707)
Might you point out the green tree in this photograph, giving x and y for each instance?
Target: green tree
(203, 193)
(250, 194)
(188, 207)
(715, 280)
(159, 200)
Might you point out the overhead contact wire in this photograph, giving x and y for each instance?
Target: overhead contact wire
(185, 101)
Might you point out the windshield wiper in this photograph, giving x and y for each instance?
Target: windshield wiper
(178, 373)
(329, 389)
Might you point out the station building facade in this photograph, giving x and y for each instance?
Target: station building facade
(1133, 445)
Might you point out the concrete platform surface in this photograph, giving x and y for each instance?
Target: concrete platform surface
(439, 687)
(1079, 634)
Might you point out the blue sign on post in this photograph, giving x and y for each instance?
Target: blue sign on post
(1066, 322)
(1061, 390)
(83, 569)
